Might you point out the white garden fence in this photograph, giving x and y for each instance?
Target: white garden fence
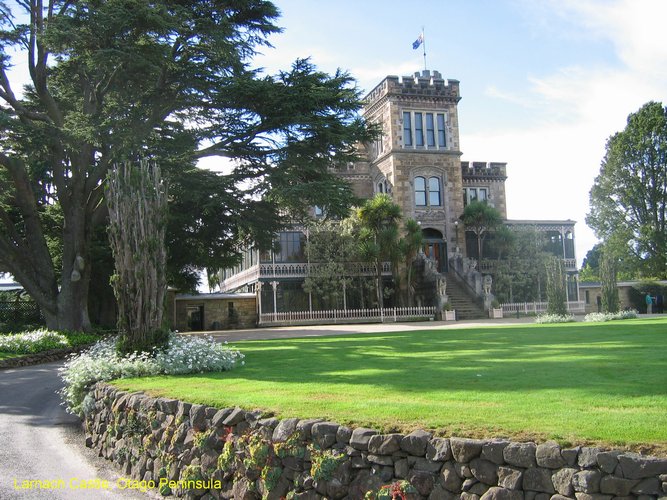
(574, 307)
(387, 314)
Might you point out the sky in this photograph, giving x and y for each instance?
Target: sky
(544, 83)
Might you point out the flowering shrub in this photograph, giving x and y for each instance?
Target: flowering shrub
(102, 362)
(32, 342)
(596, 317)
(554, 318)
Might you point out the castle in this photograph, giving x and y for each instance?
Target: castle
(417, 161)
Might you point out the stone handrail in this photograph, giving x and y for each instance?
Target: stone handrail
(467, 273)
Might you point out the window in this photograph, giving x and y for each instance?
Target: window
(419, 130)
(407, 129)
(430, 130)
(420, 191)
(383, 187)
(434, 191)
(291, 247)
(475, 194)
(427, 192)
(319, 212)
(424, 130)
(441, 131)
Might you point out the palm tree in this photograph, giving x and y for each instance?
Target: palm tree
(411, 243)
(378, 231)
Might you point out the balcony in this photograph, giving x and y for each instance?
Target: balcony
(291, 270)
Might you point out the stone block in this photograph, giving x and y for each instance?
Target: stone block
(198, 417)
(427, 466)
(304, 427)
(509, 478)
(384, 444)
(648, 486)
(422, 481)
(538, 479)
(284, 429)
(588, 457)
(343, 435)
(416, 442)
(438, 450)
(562, 481)
(548, 455)
(464, 450)
(401, 468)
(236, 416)
(520, 454)
(587, 481)
(497, 493)
(449, 479)
(360, 438)
(636, 466)
(484, 471)
(616, 486)
(493, 451)
(608, 460)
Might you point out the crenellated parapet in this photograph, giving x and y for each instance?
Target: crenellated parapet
(429, 84)
(483, 170)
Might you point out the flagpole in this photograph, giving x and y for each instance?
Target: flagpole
(424, 45)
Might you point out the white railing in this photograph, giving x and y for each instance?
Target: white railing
(347, 316)
(574, 307)
(300, 269)
(246, 276)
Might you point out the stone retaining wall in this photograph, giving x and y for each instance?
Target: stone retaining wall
(200, 452)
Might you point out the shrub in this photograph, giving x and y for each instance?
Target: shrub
(32, 342)
(102, 362)
(598, 317)
(554, 318)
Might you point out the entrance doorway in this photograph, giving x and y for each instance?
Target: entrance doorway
(195, 318)
(435, 248)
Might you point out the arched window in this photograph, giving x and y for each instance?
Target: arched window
(420, 191)
(428, 194)
(434, 191)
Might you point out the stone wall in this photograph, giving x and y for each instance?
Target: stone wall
(217, 311)
(201, 452)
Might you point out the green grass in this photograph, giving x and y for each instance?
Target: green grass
(6, 355)
(602, 383)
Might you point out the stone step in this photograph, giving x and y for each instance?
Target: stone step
(465, 306)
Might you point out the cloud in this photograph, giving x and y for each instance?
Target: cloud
(552, 165)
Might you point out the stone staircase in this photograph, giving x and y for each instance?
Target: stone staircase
(463, 303)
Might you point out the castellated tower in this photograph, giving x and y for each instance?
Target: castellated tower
(418, 159)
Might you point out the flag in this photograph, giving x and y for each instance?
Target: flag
(418, 41)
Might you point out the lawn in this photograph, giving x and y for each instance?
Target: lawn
(602, 383)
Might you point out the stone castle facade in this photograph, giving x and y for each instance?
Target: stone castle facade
(417, 161)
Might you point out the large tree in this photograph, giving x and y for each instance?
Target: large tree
(629, 196)
(122, 80)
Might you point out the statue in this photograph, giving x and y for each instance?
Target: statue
(488, 280)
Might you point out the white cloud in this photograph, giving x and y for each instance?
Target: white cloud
(551, 166)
